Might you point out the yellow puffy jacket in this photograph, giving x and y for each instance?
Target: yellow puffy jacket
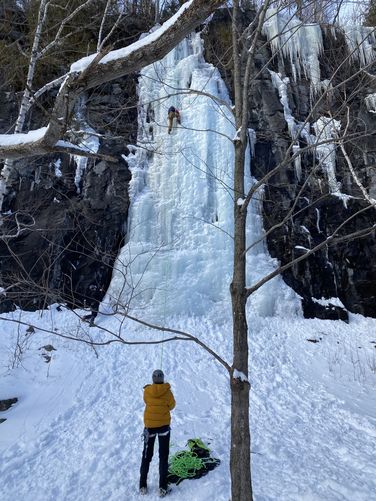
(159, 402)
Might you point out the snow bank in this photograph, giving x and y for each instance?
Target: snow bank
(75, 433)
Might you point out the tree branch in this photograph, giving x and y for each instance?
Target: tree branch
(94, 70)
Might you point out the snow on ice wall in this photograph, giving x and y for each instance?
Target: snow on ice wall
(178, 257)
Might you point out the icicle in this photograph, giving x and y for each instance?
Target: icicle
(252, 140)
(57, 166)
(318, 220)
(325, 129)
(89, 141)
(301, 44)
(281, 85)
(361, 41)
(295, 128)
(297, 162)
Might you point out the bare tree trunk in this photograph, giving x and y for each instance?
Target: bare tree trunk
(26, 97)
(157, 12)
(240, 465)
(25, 103)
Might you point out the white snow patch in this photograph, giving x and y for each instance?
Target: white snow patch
(237, 135)
(335, 301)
(370, 101)
(240, 375)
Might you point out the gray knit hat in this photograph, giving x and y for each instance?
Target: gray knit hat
(158, 377)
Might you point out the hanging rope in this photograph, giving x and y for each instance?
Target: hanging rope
(164, 309)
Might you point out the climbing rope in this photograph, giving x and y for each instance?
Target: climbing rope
(194, 463)
(164, 309)
(185, 464)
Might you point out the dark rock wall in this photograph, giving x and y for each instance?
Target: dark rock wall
(348, 269)
(61, 242)
(68, 238)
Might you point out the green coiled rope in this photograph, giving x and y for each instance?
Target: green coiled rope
(185, 464)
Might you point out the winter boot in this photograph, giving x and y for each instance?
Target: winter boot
(164, 492)
(143, 491)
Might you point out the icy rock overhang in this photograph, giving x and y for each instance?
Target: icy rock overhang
(302, 45)
(326, 131)
(361, 43)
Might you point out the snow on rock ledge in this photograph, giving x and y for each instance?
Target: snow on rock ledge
(370, 101)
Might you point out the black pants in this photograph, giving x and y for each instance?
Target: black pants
(164, 447)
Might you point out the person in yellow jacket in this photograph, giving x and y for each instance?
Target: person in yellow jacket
(159, 402)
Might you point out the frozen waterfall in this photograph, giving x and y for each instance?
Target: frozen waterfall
(178, 254)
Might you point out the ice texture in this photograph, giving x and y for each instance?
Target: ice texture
(179, 251)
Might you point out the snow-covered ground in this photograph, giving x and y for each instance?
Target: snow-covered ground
(75, 433)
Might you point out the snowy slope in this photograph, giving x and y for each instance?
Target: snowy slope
(75, 433)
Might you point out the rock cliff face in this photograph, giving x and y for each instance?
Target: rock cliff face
(299, 201)
(65, 217)
(70, 231)
(65, 221)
